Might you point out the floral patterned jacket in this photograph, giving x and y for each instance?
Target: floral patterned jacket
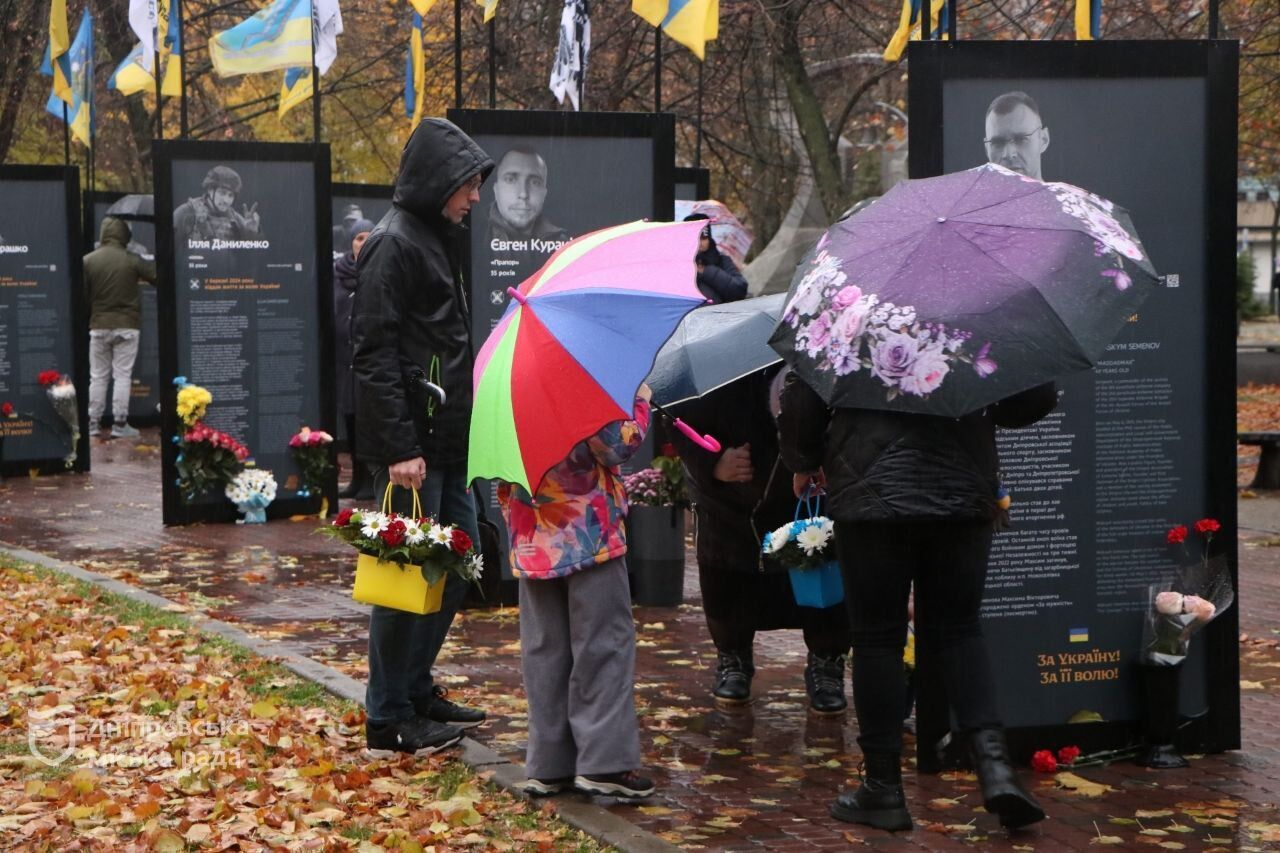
(575, 520)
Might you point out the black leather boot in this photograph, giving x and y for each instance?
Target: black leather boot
(1002, 794)
(824, 680)
(358, 484)
(732, 684)
(879, 801)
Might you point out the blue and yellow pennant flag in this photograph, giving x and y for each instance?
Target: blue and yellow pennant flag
(490, 8)
(693, 23)
(56, 62)
(1088, 19)
(415, 73)
(277, 38)
(294, 89)
(80, 66)
(910, 26)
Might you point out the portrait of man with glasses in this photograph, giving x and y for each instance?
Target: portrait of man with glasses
(1016, 135)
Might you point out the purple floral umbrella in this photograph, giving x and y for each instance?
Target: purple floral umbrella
(950, 293)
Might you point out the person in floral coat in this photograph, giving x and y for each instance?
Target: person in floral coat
(577, 636)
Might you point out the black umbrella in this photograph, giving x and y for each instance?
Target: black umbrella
(715, 345)
(138, 207)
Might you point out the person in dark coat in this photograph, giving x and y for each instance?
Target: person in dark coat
(718, 277)
(344, 294)
(411, 334)
(111, 276)
(739, 495)
(913, 497)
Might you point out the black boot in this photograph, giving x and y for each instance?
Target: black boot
(1002, 794)
(732, 684)
(879, 801)
(824, 679)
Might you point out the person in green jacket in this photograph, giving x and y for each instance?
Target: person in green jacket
(111, 275)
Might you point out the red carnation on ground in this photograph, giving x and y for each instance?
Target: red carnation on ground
(1044, 762)
(394, 534)
(344, 518)
(6, 409)
(1068, 755)
(1176, 535)
(48, 377)
(1207, 526)
(461, 541)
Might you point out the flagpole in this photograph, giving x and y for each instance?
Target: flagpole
(952, 16)
(155, 67)
(457, 53)
(657, 69)
(182, 71)
(66, 136)
(1213, 18)
(493, 63)
(315, 80)
(697, 149)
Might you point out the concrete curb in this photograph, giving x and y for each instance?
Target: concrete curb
(598, 822)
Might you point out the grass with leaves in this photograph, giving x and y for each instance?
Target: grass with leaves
(186, 741)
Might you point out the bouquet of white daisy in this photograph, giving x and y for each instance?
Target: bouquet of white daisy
(404, 558)
(807, 549)
(251, 491)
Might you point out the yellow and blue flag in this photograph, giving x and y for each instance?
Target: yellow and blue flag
(294, 89)
(910, 26)
(490, 8)
(56, 63)
(276, 38)
(415, 73)
(693, 23)
(1078, 635)
(80, 63)
(1088, 19)
(171, 51)
(422, 7)
(133, 74)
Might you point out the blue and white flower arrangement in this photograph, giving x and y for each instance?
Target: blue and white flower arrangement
(806, 543)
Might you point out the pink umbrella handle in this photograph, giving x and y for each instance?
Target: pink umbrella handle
(706, 442)
(516, 295)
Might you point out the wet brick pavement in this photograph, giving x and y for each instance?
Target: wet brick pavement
(757, 778)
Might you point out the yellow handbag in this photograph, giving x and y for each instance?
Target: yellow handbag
(392, 585)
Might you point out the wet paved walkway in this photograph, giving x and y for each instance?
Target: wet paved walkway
(758, 778)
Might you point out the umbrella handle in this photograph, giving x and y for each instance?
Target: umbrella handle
(516, 295)
(706, 442)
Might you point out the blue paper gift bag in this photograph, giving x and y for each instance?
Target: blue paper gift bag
(817, 587)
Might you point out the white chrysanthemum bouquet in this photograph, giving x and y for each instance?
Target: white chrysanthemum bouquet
(806, 543)
(253, 486)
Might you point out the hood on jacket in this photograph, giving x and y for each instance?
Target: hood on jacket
(437, 160)
(115, 231)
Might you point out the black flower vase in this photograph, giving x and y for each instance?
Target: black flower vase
(1160, 716)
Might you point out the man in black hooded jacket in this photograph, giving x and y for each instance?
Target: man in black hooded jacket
(410, 327)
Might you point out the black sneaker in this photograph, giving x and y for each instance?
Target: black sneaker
(732, 685)
(547, 787)
(628, 786)
(416, 736)
(441, 710)
(824, 681)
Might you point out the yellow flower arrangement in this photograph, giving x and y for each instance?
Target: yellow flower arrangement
(192, 402)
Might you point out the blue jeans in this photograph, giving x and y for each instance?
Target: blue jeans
(403, 646)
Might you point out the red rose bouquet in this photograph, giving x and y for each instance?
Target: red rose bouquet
(208, 459)
(1198, 593)
(406, 540)
(62, 397)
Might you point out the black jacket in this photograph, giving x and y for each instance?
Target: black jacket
(411, 317)
(734, 517)
(344, 294)
(889, 466)
(720, 281)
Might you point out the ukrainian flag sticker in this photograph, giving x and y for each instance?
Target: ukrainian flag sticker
(1078, 635)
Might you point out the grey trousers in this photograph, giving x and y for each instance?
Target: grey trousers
(578, 653)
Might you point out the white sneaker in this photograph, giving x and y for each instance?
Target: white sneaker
(124, 431)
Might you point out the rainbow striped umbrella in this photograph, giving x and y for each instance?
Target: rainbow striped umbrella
(576, 341)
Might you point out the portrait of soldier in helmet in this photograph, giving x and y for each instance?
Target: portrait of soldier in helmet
(212, 215)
